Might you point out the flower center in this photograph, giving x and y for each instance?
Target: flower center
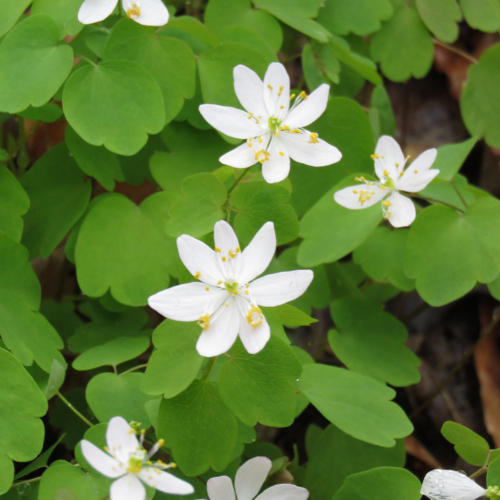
(255, 317)
(262, 156)
(273, 124)
(204, 321)
(389, 183)
(231, 287)
(492, 492)
(134, 465)
(134, 12)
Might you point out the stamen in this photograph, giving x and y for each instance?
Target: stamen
(314, 138)
(197, 275)
(269, 87)
(217, 249)
(262, 156)
(281, 90)
(204, 321)
(303, 95)
(207, 288)
(250, 317)
(281, 153)
(292, 96)
(415, 171)
(134, 12)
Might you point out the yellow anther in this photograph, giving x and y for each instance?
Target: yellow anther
(134, 12)
(281, 128)
(235, 292)
(314, 138)
(131, 431)
(207, 288)
(408, 157)
(246, 292)
(386, 203)
(382, 188)
(143, 431)
(375, 156)
(270, 87)
(260, 138)
(281, 90)
(217, 249)
(354, 191)
(238, 249)
(256, 121)
(282, 107)
(227, 305)
(401, 174)
(287, 128)
(223, 259)
(362, 178)
(255, 322)
(262, 156)
(249, 117)
(277, 134)
(106, 448)
(303, 95)
(415, 171)
(161, 442)
(281, 153)
(197, 275)
(204, 321)
(292, 96)
(219, 282)
(397, 165)
(173, 466)
(232, 253)
(296, 131)
(386, 173)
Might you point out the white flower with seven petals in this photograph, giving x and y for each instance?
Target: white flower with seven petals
(248, 482)
(390, 169)
(451, 485)
(147, 12)
(125, 459)
(225, 302)
(273, 131)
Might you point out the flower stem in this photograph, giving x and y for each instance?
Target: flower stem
(27, 481)
(135, 368)
(74, 410)
(209, 368)
(462, 199)
(456, 51)
(483, 469)
(426, 198)
(240, 178)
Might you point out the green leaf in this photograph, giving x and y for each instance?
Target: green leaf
(336, 456)
(56, 379)
(259, 387)
(494, 288)
(297, 14)
(95, 161)
(347, 229)
(117, 103)
(403, 46)
(443, 192)
(169, 61)
(109, 395)
(293, 317)
(193, 32)
(199, 208)
(36, 65)
(451, 157)
(48, 113)
(463, 247)
(258, 202)
(201, 431)
(12, 11)
(382, 257)
(356, 404)
(372, 343)
(441, 18)
(493, 473)
(248, 37)
(14, 202)
(320, 66)
(24, 330)
(345, 125)
(59, 196)
(64, 12)
(190, 151)
(480, 100)
(112, 353)
(175, 363)
(120, 248)
(483, 15)
(381, 103)
(216, 71)
(361, 17)
(21, 405)
(383, 483)
(220, 14)
(469, 445)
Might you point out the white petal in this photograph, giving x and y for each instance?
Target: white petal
(249, 90)
(251, 476)
(120, 439)
(303, 148)
(101, 461)
(258, 254)
(127, 488)
(277, 167)
(222, 332)
(402, 210)
(389, 154)
(241, 157)
(284, 492)
(152, 13)
(356, 197)
(254, 339)
(199, 258)
(231, 121)
(187, 302)
(310, 109)
(280, 288)
(229, 252)
(417, 175)
(220, 488)
(94, 11)
(450, 485)
(277, 90)
(163, 481)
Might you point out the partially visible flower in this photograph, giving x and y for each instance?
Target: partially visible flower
(450, 485)
(248, 482)
(390, 169)
(126, 459)
(274, 132)
(147, 12)
(226, 301)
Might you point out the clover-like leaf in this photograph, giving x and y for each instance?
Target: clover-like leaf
(482, 15)
(441, 17)
(64, 12)
(14, 202)
(12, 11)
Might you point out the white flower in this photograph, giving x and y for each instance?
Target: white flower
(249, 480)
(389, 167)
(127, 460)
(147, 12)
(226, 302)
(450, 485)
(273, 132)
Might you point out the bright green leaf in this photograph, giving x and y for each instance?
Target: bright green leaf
(48, 113)
(293, 317)
(451, 157)
(320, 65)
(14, 202)
(441, 17)
(483, 15)
(192, 31)
(56, 379)
(469, 445)
(381, 103)
(64, 12)
(12, 11)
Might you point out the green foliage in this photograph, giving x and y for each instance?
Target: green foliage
(12, 11)
(14, 203)
(441, 17)
(451, 157)
(482, 14)
(64, 12)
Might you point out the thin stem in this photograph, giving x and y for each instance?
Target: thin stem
(483, 469)
(21, 146)
(452, 182)
(238, 180)
(456, 51)
(74, 410)
(27, 481)
(135, 368)
(426, 198)
(209, 368)
(85, 58)
(416, 312)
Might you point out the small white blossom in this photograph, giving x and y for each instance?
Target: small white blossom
(390, 169)
(147, 12)
(450, 485)
(273, 131)
(248, 482)
(225, 302)
(124, 458)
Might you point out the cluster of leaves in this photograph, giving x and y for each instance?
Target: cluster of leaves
(130, 95)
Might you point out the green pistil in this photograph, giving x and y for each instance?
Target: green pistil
(492, 492)
(231, 286)
(274, 124)
(134, 465)
(389, 183)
